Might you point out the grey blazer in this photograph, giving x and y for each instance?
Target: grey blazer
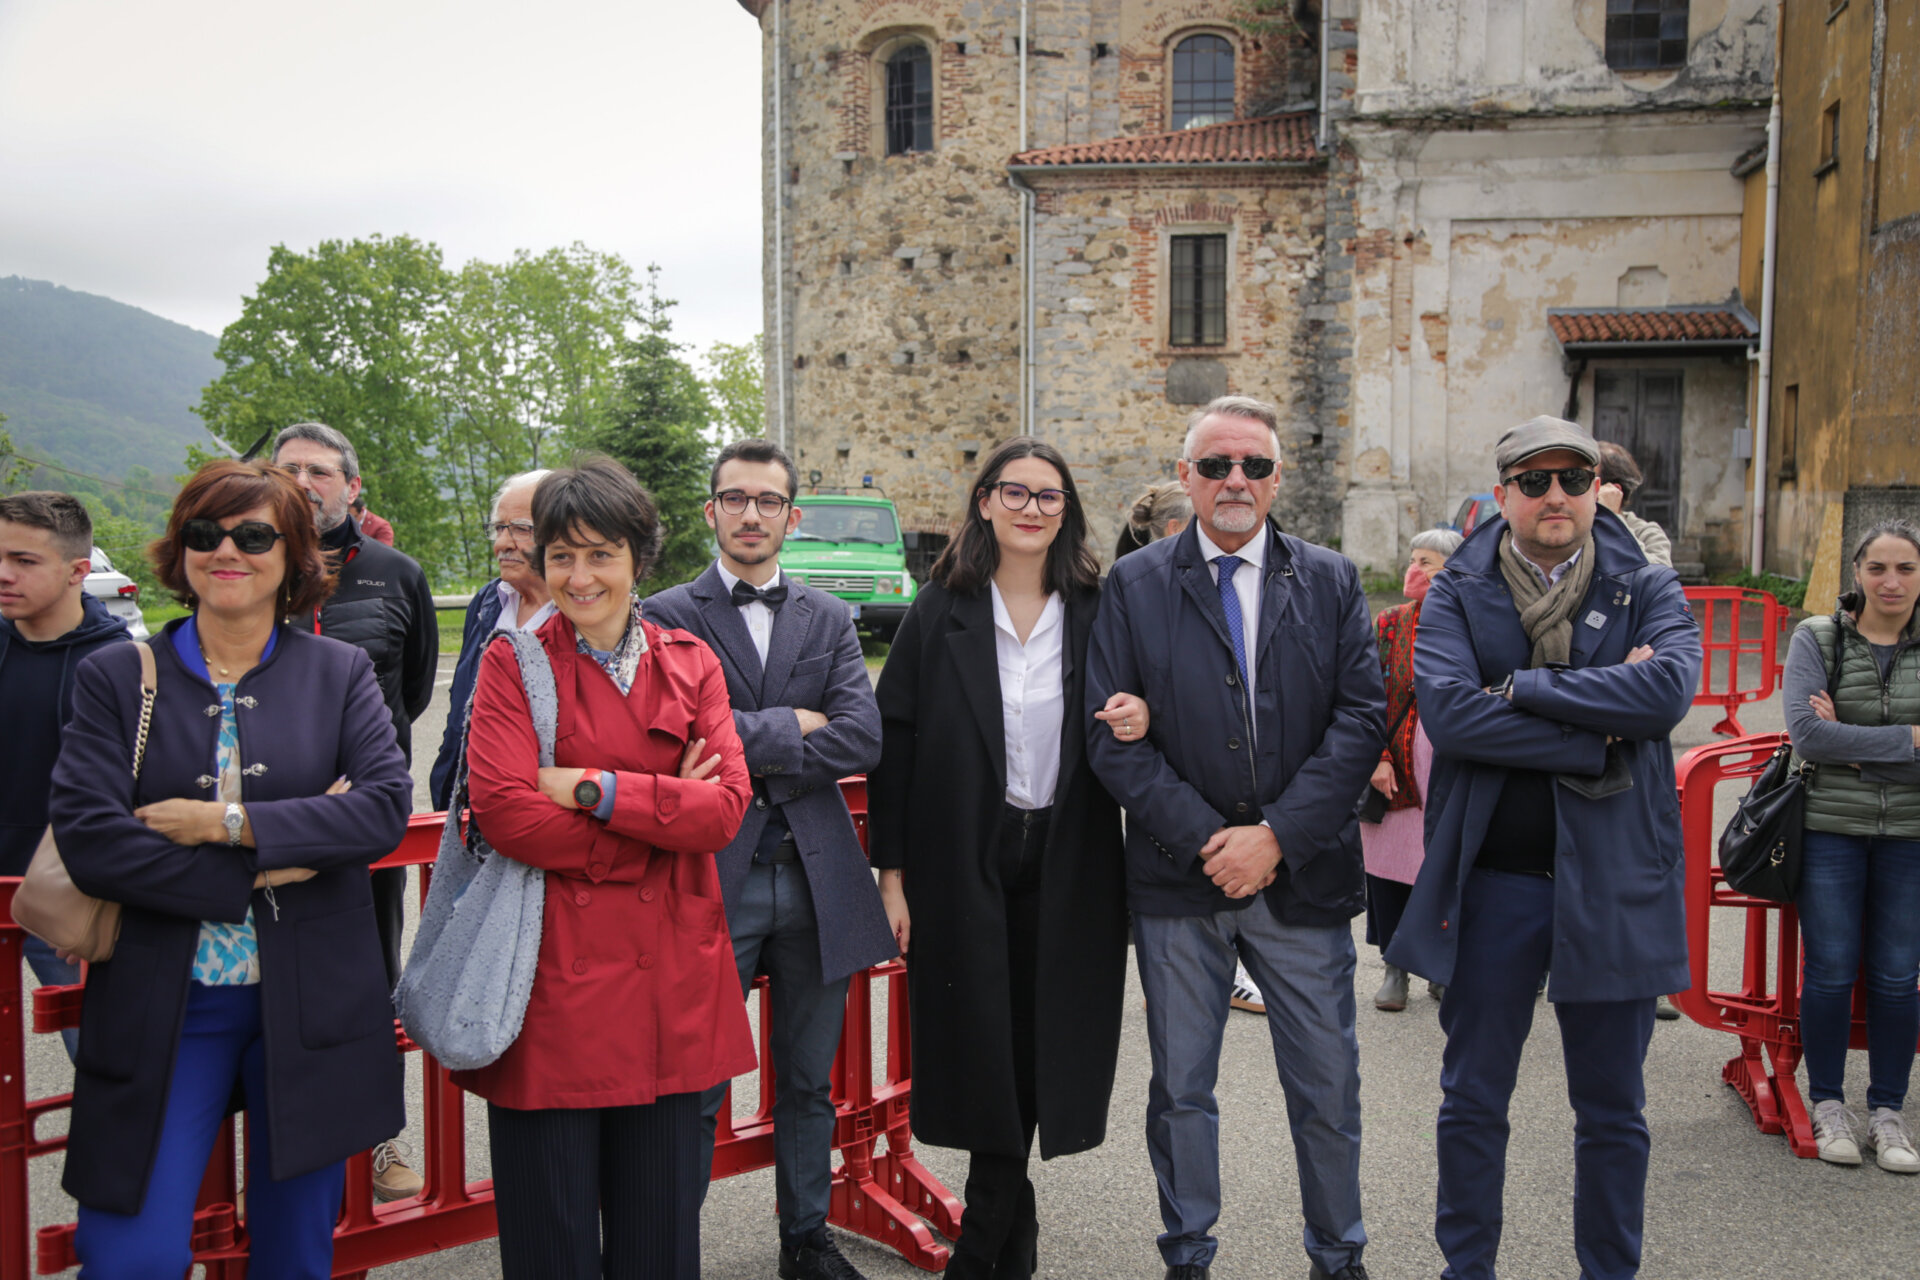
(813, 661)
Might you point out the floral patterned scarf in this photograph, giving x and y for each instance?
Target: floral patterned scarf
(623, 662)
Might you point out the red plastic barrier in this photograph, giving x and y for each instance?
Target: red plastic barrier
(882, 1195)
(1765, 1011)
(1720, 673)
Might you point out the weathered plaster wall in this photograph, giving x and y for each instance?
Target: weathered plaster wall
(1492, 57)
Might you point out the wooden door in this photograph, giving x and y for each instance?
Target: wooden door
(1639, 410)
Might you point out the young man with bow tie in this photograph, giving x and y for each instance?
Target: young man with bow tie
(801, 903)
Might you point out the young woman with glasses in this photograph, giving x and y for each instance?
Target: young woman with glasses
(1000, 853)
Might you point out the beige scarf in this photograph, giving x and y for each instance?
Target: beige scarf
(1547, 612)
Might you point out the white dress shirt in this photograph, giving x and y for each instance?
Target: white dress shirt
(757, 616)
(1033, 703)
(1246, 585)
(1552, 576)
(510, 609)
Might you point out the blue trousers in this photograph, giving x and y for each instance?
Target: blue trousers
(1305, 976)
(1506, 934)
(1860, 893)
(51, 971)
(774, 930)
(289, 1224)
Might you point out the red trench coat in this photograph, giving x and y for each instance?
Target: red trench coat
(635, 994)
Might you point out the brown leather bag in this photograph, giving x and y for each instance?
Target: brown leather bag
(47, 904)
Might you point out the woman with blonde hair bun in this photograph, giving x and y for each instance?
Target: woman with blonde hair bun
(1160, 512)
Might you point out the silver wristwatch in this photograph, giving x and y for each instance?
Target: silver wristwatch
(235, 821)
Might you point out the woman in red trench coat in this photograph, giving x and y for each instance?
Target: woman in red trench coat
(594, 1111)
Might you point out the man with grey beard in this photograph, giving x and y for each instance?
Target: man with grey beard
(1255, 654)
(383, 605)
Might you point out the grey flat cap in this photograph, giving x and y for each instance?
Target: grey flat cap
(1537, 435)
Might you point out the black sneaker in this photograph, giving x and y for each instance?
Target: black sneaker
(1187, 1271)
(816, 1258)
(1352, 1271)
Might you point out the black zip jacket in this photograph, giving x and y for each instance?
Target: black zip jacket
(383, 605)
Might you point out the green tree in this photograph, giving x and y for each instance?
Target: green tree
(13, 467)
(345, 335)
(658, 432)
(736, 385)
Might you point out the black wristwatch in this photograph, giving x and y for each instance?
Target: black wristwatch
(1504, 689)
(586, 793)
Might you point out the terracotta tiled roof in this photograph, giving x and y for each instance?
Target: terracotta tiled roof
(1284, 139)
(1726, 322)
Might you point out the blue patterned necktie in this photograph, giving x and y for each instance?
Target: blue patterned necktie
(1230, 603)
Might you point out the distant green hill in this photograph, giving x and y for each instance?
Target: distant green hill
(97, 385)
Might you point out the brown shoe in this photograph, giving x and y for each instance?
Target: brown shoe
(392, 1179)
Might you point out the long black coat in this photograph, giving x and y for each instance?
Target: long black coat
(310, 713)
(935, 804)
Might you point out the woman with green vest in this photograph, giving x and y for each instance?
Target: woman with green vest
(1853, 710)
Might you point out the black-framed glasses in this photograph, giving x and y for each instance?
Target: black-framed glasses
(734, 502)
(522, 530)
(1018, 497)
(254, 537)
(1574, 481)
(1217, 468)
(319, 473)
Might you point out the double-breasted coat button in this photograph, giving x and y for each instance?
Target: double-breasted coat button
(646, 895)
(579, 966)
(581, 898)
(646, 962)
(1233, 744)
(759, 802)
(1240, 807)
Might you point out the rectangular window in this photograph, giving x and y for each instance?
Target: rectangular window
(1646, 35)
(1829, 138)
(1198, 292)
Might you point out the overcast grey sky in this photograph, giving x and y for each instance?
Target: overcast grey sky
(154, 152)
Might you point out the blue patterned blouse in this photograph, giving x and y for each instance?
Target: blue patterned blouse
(228, 955)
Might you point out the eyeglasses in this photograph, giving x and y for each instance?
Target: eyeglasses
(1574, 481)
(522, 530)
(734, 502)
(319, 473)
(254, 537)
(1017, 497)
(1255, 468)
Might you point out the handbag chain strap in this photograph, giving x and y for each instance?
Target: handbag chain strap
(146, 705)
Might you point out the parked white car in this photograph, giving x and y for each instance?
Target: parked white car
(118, 592)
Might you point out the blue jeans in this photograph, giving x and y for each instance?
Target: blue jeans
(1860, 894)
(1506, 936)
(290, 1224)
(1305, 975)
(52, 971)
(774, 931)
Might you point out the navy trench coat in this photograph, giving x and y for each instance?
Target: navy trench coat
(311, 712)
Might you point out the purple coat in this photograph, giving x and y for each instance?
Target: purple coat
(309, 713)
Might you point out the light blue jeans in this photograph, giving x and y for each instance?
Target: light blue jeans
(1305, 975)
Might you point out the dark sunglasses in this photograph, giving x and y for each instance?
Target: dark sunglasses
(1574, 481)
(254, 537)
(1220, 468)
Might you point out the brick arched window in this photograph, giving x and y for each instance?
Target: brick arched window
(909, 100)
(1202, 81)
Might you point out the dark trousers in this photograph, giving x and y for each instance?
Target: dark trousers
(1506, 932)
(1000, 1231)
(1386, 903)
(775, 931)
(390, 917)
(289, 1223)
(609, 1192)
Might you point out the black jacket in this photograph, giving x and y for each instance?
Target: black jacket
(309, 713)
(383, 605)
(36, 701)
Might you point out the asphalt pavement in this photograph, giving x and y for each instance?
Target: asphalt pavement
(1723, 1200)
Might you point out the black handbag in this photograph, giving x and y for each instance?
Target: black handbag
(1760, 851)
(1372, 805)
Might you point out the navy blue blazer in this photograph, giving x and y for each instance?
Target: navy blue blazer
(483, 611)
(813, 661)
(308, 714)
(1319, 705)
(1619, 925)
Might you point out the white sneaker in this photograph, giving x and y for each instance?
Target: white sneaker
(1892, 1148)
(1245, 994)
(1837, 1132)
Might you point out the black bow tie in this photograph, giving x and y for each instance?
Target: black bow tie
(773, 597)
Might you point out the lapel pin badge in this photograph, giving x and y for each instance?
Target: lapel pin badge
(1596, 619)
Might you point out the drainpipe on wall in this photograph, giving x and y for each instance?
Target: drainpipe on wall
(1326, 64)
(1756, 554)
(1026, 250)
(783, 435)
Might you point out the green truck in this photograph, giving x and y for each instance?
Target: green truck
(849, 545)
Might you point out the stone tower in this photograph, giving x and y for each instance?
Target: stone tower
(982, 215)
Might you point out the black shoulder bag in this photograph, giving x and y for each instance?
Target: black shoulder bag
(1760, 847)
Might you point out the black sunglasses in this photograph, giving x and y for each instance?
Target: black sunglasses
(1255, 468)
(254, 537)
(1574, 481)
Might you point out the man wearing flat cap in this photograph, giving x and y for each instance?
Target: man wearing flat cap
(1552, 663)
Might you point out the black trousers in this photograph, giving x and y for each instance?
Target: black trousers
(1386, 903)
(1001, 1228)
(598, 1192)
(390, 917)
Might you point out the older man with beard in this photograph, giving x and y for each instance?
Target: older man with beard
(516, 600)
(383, 605)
